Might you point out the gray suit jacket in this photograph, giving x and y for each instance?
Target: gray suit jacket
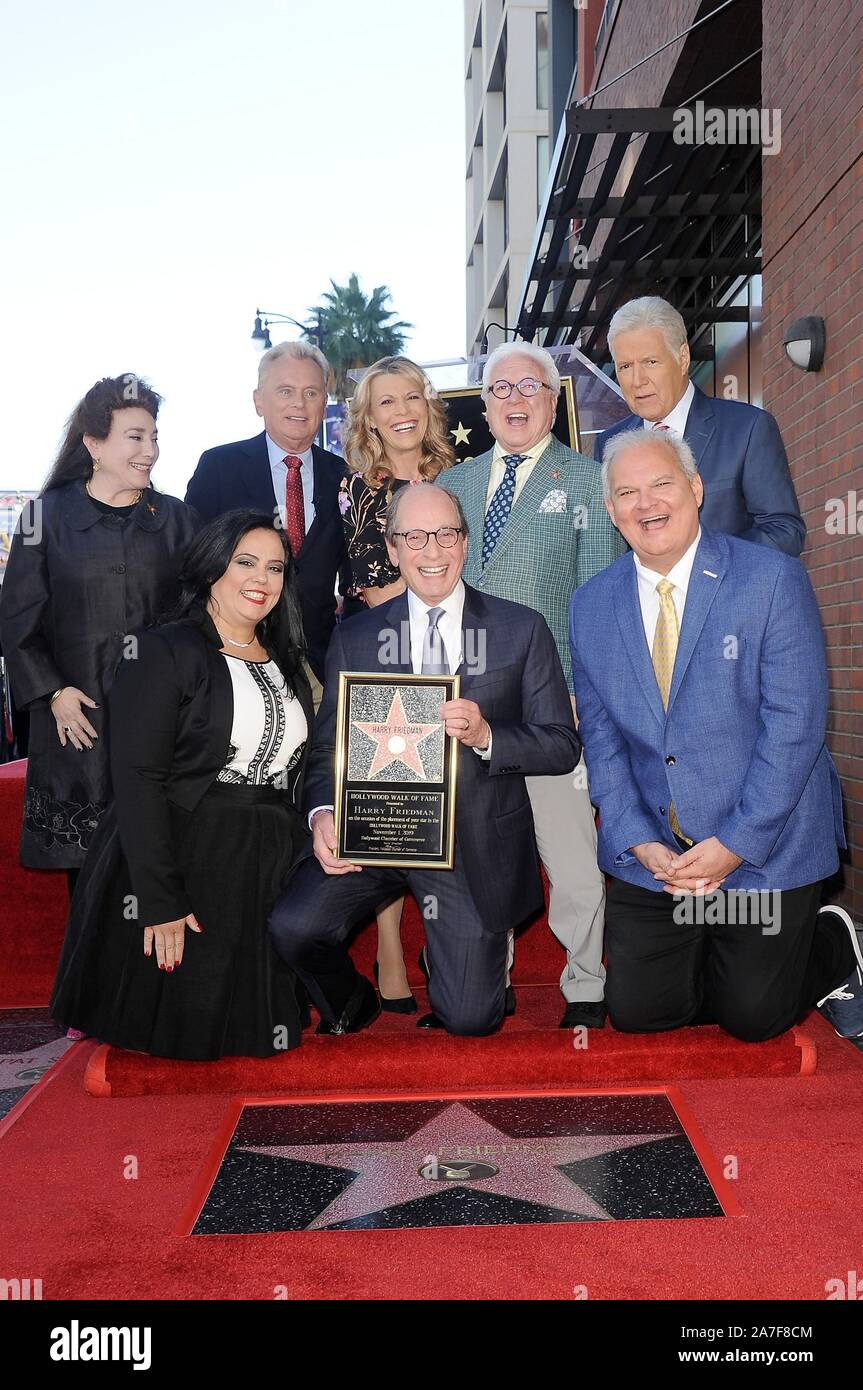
(558, 535)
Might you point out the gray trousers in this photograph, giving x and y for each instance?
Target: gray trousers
(566, 839)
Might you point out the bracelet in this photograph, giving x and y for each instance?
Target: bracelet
(56, 693)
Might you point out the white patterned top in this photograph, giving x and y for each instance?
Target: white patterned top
(269, 731)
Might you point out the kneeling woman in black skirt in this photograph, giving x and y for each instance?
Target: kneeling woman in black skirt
(167, 950)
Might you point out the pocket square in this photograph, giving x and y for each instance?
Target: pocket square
(554, 501)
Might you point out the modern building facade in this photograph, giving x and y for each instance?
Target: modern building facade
(507, 93)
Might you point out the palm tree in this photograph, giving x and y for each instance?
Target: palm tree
(355, 331)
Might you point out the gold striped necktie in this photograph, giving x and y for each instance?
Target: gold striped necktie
(665, 640)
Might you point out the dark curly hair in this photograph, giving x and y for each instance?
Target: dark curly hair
(207, 559)
(93, 415)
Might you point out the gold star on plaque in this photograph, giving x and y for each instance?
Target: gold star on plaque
(460, 434)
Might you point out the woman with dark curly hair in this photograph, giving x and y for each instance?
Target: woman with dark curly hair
(397, 434)
(166, 949)
(94, 558)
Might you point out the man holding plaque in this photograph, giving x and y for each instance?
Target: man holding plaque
(539, 530)
(512, 718)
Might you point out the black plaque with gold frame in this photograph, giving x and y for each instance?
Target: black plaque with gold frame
(395, 771)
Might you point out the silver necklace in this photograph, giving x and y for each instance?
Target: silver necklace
(235, 643)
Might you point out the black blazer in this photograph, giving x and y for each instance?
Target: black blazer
(748, 490)
(172, 711)
(238, 475)
(519, 685)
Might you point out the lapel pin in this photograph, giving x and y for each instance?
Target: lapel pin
(555, 473)
(710, 574)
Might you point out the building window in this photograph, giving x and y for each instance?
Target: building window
(605, 23)
(542, 60)
(541, 167)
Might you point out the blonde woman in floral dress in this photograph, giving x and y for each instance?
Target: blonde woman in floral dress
(397, 434)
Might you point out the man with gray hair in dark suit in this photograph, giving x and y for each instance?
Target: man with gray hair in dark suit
(513, 720)
(748, 491)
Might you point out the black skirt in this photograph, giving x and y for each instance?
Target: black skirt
(232, 996)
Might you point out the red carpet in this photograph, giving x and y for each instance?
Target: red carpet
(103, 1232)
(530, 1051)
(404, 1059)
(34, 906)
(102, 1235)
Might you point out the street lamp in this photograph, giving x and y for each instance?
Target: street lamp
(261, 331)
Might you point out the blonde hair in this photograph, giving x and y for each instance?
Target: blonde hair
(362, 444)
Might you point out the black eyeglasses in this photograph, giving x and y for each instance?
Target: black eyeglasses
(528, 386)
(446, 536)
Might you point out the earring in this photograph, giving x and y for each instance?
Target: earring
(96, 465)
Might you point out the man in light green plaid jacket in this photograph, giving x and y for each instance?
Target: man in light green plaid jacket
(539, 529)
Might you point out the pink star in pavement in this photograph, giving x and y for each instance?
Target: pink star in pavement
(397, 739)
(388, 1173)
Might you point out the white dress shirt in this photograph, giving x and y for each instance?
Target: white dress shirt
(648, 598)
(676, 419)
(523, 470)
(279, 470)
(450, 628)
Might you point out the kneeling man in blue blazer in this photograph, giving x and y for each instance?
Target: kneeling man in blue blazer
(701, 690)
(513, 720)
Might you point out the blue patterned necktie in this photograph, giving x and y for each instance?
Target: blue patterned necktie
(434, 652)
(500, 505)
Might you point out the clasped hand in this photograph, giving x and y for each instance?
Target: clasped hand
(700, 870)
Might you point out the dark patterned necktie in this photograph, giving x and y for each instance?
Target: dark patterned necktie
(500, 505)
(295, 511)
(434, 652)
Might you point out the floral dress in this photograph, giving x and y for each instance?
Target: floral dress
(363, 510)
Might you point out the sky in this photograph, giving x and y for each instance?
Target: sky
(168, 167)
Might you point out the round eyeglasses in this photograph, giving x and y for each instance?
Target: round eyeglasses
(528, 386)
(446, 536)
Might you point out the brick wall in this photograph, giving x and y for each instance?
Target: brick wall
(813, 263)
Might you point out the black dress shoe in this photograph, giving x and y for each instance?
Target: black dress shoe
(584, 1013)
(429, 1021)
(362, 1008)
(404, 1005)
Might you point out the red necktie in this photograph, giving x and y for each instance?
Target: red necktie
(660, 426)
(295, 511)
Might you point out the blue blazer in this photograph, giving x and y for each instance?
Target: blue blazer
(740, 750)
(748, 490)
(238, 475)
(520, 689)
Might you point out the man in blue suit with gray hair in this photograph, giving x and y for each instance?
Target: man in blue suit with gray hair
(701, 688)
(748, 491)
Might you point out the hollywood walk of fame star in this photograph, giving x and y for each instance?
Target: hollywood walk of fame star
(396, 739)
(387, 1174)
(26, 1066)
(461, 434)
